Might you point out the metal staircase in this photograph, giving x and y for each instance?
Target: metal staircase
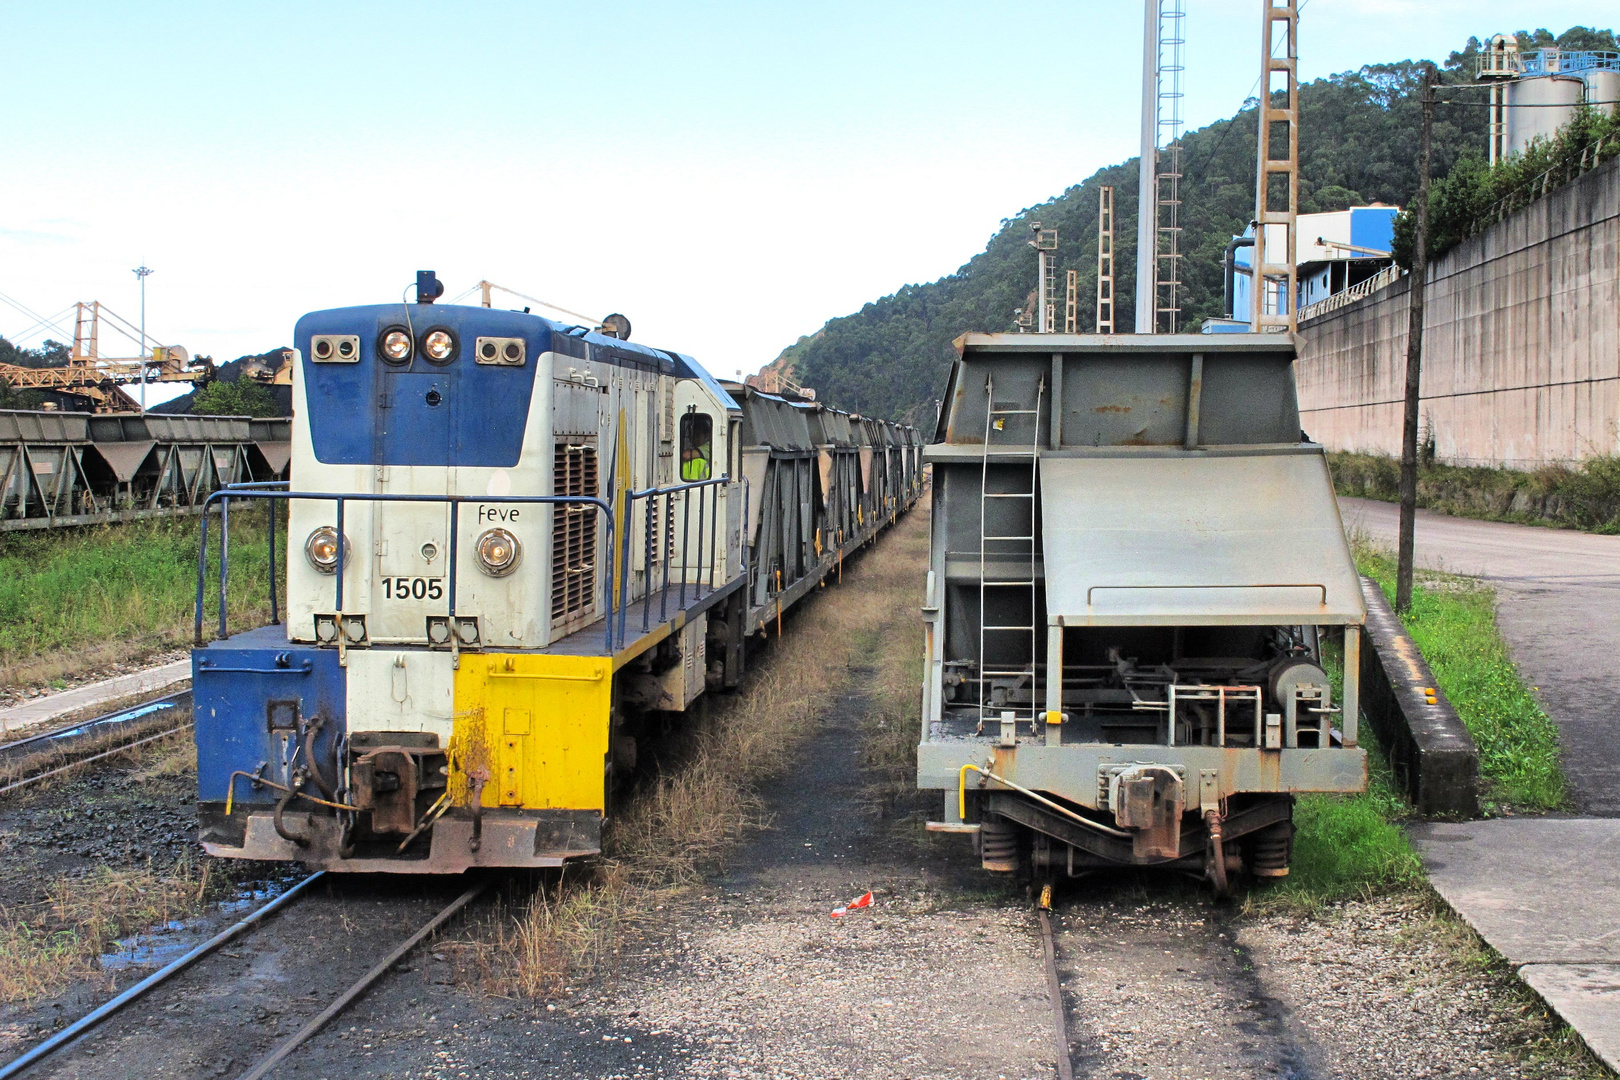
(995, 420)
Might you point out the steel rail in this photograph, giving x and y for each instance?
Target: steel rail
(309, 1030)
(1054, 990)
(106, 718)
(37, 777)
(76, 1030)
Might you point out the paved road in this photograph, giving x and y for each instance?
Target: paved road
(1559, 609)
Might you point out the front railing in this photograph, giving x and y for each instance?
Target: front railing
(272, 491)
(616, 599)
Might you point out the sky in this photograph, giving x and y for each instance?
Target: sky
(727, 175)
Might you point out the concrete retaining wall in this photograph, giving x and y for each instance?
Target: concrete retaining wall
(1521, 343)
(1431, 753)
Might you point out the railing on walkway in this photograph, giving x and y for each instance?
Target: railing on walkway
(274, 491)
(1360, 289)
(660, 523)
(1592, 155)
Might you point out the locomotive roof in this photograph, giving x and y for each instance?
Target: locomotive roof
(578, 341)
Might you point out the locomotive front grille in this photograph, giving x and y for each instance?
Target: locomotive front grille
(573, 533)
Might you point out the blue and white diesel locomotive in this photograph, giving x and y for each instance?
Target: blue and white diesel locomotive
(513, 546)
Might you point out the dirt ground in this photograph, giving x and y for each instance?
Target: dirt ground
(942, 977)
(748, 975)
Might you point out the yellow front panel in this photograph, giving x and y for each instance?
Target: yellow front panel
(536, 725)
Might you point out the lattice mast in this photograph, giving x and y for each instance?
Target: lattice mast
(1046, 279)
(1105, 260)
(1274, 296)
(1167, 167)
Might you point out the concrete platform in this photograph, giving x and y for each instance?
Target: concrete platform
(152, 681)
(1545, 893)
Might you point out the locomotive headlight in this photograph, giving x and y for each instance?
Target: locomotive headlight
(322, 549)
(395, 345)
(439, 345)
(498, 552)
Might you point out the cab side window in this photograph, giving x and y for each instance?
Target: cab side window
(697, 447)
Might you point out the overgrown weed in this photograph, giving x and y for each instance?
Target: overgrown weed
(1583, 495)
(687, 819)
(69, 597)
(48, 945)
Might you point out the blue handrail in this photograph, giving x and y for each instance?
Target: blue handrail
(668, 494)
(269, 490)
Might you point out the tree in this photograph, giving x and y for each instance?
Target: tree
(239, 398)
(1358, 144)
(19, 399)
(50, 354)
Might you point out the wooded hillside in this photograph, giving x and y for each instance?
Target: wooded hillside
(1358, 145)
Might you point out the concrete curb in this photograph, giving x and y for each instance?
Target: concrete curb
(1431, 753)
(152, 681)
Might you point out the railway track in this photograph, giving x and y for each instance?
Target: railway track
(82, 1029)
(27, 761)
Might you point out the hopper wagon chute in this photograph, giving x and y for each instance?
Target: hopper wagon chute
(1137, 565)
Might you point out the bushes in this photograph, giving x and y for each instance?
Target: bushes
(1466, 199)
(1586, 496)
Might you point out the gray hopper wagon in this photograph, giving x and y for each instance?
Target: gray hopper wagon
(1136, 559)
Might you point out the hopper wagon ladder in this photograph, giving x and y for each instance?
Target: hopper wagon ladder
(994, 420)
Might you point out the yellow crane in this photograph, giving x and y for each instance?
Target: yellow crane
(101, 379)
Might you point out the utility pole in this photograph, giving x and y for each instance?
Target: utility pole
(143, 272)
(1414, 356)
(1147, 217)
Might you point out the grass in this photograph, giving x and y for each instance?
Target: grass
(1584, 496)
(688, 819)
(1453, 623)
(1353, 846)
(50, 943)
(72, 598)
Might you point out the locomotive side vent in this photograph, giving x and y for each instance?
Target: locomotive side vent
(573, 533)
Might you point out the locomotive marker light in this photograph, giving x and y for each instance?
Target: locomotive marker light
(498, 553)
(499, 352)
(439, 345)
(335, 348)
(322, 547)
(394, 344)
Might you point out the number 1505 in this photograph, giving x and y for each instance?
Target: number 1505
(404, 588)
